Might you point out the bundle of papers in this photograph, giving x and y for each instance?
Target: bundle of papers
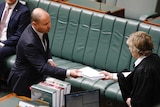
(91, 73)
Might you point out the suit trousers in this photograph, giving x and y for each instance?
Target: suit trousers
(5, 52)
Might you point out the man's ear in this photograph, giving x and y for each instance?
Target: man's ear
(34, 24)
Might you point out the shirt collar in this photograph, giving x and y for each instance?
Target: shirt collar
(12, 6)
(139, 60)
(38, 33)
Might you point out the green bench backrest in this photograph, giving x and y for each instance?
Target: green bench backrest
(71, 34)
(53, 11)
(60, 31)
(90, 38)
(81, 37)
(2, 1)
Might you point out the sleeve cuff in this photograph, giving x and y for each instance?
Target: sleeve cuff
(1, 44)
(68, 73)
(50, 60)
(115, 76)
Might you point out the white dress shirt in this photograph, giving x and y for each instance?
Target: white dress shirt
(4, 32)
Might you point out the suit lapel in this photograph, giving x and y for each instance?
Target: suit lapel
(38, 42)
(15, 11)
(1, 9)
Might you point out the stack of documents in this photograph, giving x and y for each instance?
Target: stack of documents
(91, 73)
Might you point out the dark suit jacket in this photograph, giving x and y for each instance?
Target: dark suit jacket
(19, 20)
(31, 64)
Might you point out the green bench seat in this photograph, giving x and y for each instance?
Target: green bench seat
(80, 38)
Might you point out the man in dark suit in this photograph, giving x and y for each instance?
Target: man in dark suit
(34, 61)
(11, 29)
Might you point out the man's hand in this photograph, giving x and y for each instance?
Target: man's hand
(52, 63)
(75, 73)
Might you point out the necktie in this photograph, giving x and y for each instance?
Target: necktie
(3, 21)
(44, 43)
(133, 65)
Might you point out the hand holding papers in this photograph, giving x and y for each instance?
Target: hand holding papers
(91, 73)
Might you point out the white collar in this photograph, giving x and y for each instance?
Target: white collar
(12, 6)
(38, 33)
(139, 60)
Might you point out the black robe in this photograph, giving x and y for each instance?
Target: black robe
(143, 84)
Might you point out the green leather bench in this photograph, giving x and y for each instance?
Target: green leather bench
(80, 38)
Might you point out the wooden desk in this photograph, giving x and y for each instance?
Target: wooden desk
(153, 21)
(95, 6)
(11, 100)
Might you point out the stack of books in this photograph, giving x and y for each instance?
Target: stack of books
(51, 90)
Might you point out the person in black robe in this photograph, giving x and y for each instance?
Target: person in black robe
(141, 87)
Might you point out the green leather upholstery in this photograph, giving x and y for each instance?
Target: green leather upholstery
(60, 31)
(2, 1)
(112, 91)
(80, 38)
(70, 33)
(82, 35)
(32, 4)
(53, 7)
